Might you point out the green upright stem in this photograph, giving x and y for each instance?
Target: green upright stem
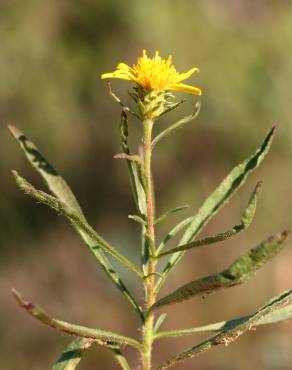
(148, 334)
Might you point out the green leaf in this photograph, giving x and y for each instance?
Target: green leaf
(59, 187)
(120, 358)
(239, 272)
(74, 218)
(173, 232)
(72, 329)
(56, 184)
(170, 212)
(179, 124)
(159, 322)
(150, 245)
(171, 107)
(132, 157)
(95, 242)
(218, 199)
(138, 219)
(281, 314)
(245, 221)
(133, 167)
(229, 335)
(71, 357)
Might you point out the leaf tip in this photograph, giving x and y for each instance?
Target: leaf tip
(21, 182)
(198, 105)
(273, 129)
(13, 130)
(15, 292)
(285, 235)
(17, 295)
(259, 187)
(15, 174)
(10, 126)
(22, 303)
(260, 183)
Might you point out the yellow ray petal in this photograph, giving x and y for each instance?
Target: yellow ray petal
(184, 76)
(185, 88)
(125, 68)
(116, 74)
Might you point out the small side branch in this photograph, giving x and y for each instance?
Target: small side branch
(179, 124)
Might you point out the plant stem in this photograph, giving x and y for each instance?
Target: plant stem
(148, 334)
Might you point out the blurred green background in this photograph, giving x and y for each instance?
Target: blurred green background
(52, 54)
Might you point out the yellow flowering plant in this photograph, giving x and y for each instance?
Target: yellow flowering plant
(153, 80)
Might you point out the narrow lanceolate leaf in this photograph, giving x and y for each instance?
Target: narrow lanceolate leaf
(133, 157)
(120, 358)
(61, 190)
(179, 124)
(53, 180)
(172, 107)
(71, 357)
(228, 336)
(239, 272)
(95, 242)
(173, 232)
(159, 322)
(219, 198)
(72, 329)
(245, 221)
(138, 219)
(282, 314)
(133, 167)
(170, 212)
(74, 218)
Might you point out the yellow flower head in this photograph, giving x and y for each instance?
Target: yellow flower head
(154, 74)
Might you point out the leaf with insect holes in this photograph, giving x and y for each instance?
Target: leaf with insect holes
(281, 314)
(228, 336)
(239, 272)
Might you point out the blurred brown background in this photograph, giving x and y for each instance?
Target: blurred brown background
(52, 53)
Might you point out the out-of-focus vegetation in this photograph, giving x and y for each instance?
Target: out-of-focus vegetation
(51, 56)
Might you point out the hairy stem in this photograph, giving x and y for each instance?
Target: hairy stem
(148, 332)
